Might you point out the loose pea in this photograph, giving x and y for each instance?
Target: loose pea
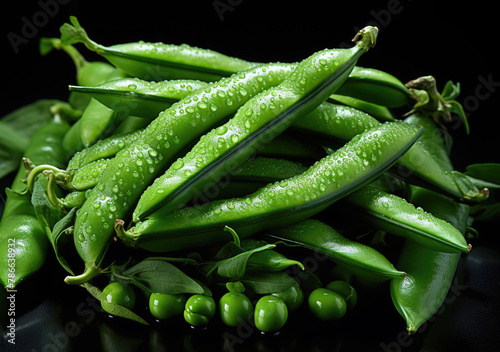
(271, 313)
(292, 296)
(235, 308)
(164, 306)
(120, 294)
(326, 304)
(199, 310)
(346, 290)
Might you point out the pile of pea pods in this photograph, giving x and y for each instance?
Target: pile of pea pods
(204, 184)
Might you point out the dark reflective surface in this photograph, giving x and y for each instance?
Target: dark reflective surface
(417, 38)
(55, 317)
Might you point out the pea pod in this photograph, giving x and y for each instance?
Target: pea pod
(422, 165)
(103, 149)
(322, 238)
(135, 167)
(430, 273)
(397, 216)
(159, 61)
(281, 203)
(137, 97)
(380, 112)
(376, 86)
(259, 120)
(23, 239)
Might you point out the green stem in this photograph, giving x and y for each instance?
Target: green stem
(89, 273)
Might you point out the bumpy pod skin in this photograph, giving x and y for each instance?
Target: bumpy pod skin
(335, 122)
(419, 295)
(322, 238)
(397, 216)
(85, 177)
(258, 121)
(357, 163)
(104, 148)
(19, 227)
(137, 97)
(135, 167)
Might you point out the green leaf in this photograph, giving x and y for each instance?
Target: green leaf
(235, 286)
(120, 311)
(265, 283)
(235, 267)
(450, 91)
(485, 171)
(159, 276)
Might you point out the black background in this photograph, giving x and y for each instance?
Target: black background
(447, 39)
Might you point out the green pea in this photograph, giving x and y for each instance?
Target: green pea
(120, 294)
(235, 308)
(164, 306)
(346, 290)
(271, 313)
(292, 296)
(199, 310)
(326, 304)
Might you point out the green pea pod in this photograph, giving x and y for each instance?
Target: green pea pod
(262, 118)
(137, 97)
(103, 149)
(23, 243)
(250, 176)
(134, 168)
(377, 87)
(425, 164)
(430, 273)
(397, 216)
(334, 123)
(380, 112)
(322, 238)
(159, 61)
(280, 203)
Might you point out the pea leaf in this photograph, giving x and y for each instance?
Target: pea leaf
(159, 276)
(235, 267)
(485, 171)
(265, 282)
(120, 311)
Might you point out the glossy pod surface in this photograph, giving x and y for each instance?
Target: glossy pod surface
(258, 121)
(322, 238)
(160, 61)
(137, 97)
(419, 295)
(19, 226)
(377, 87)
(357, 163)
(135, 167)
(399, 217)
